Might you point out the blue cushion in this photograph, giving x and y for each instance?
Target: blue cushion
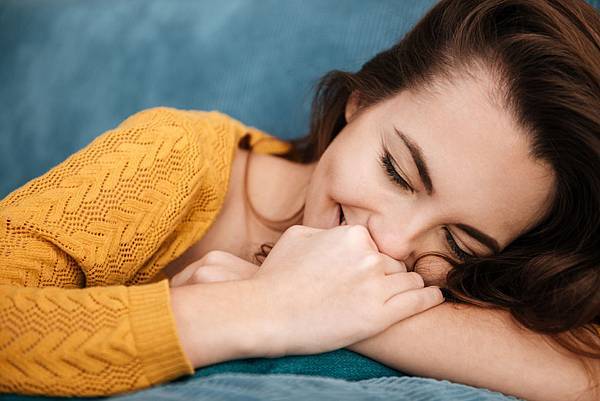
(72, 69)
(270, 387)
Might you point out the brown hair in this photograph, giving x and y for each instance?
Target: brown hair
(546, 56)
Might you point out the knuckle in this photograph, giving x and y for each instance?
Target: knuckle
(295, 229)
(426, 298)
(358, 230)
(420, 300)
(372, 259)
(436, 294)
(202, 275)
(360, 235)
(417, 279)
(213, 257)
(208, 274)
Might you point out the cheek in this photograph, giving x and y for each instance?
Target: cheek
(347, 173)
(354, 174)
(330, 179)
(349, 164)
(318, 201)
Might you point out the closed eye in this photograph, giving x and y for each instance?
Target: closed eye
(456, 250)
(387, 163)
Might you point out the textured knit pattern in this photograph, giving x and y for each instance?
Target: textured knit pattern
(84, 307)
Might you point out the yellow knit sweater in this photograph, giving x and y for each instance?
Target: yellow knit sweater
(84, 306)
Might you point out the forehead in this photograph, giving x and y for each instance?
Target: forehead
(478, 157)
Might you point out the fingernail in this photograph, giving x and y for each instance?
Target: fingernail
(441, 290)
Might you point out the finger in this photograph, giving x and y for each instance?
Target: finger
(208, 274)
(213, 274)
(184, 275)
(401, 282)
(223, 258)
(215, 266)
(300, 230)
(392, 266)
(409, 303)
(240, 268)
(362, 234)
(178, 280)
(240, 265)
(228, 261)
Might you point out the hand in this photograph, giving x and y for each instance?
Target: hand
(214, 266)
(321, 290)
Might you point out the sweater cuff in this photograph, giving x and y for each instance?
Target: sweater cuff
(155, 333)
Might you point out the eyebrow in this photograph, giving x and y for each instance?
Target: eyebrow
(417, 154)
(481, 237)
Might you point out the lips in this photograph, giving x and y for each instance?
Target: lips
(342, 220)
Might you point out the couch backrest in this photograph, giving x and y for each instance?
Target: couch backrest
(70, 70)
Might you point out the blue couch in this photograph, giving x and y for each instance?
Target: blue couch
(70, 70)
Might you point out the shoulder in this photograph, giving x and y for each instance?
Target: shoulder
(201, 137)
(162, 115)
(202, 122)
(206, 139)
(183, 120)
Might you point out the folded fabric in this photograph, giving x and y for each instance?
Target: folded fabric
(272, 387)
(339, 364)
(301, 377)
(243, 386)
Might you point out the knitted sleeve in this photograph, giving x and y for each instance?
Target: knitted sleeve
(79, 245)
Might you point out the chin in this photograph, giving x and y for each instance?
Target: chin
(314, 223)
(320, 210)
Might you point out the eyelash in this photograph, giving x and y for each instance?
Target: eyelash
(385, 160)
(459, 253)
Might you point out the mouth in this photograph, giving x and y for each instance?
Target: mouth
(342, 219)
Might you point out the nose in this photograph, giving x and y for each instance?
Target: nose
(396, 239)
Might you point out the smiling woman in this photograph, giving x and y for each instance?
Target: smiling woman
(484, 118)
(464, 164)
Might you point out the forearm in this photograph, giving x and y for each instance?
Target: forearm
(479, 347)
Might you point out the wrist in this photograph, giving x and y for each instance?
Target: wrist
(265, 337)
(222, 321)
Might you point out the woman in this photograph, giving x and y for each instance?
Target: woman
(465, 157)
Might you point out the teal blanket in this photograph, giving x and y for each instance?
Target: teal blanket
(340, 364)
(340, 374)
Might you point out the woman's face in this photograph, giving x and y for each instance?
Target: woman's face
(467, 171)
